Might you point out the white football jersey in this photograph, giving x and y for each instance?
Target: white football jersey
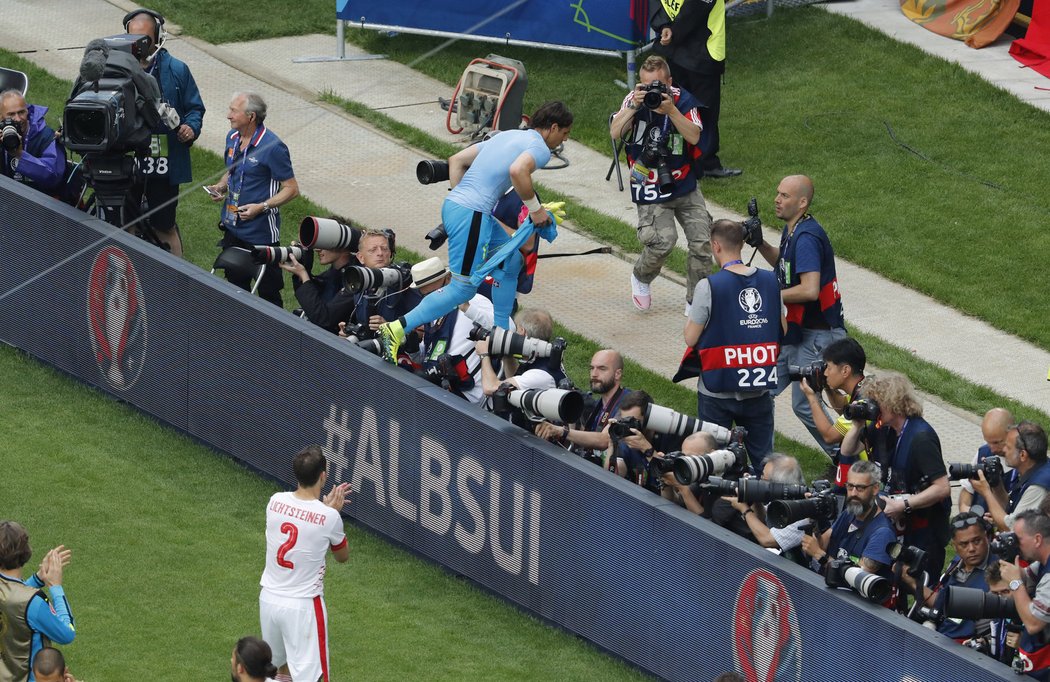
(299, 534)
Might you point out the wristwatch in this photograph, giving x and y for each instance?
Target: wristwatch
(1015, 585)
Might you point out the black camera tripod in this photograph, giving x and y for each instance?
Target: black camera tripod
(118, 193)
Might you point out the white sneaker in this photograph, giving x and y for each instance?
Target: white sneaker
(640, 294)
(688, 308)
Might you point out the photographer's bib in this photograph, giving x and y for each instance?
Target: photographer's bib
(157, 161)
(741, 340)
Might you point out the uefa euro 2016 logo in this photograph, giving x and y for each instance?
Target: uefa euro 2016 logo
(767, 646)
(117, 318)
(750, 300)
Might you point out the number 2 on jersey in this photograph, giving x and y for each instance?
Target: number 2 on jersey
(292, 532)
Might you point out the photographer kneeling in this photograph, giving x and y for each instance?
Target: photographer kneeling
(372, 306)
(30, 153)
(785, 470)
(538, 373)
(861, 533)
(972, 557)
(1030, 588)
(323, 298)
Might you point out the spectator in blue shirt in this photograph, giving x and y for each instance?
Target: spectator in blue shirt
(258, 180)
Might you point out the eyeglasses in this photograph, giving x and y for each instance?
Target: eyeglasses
(858, 487)
(1020, 438)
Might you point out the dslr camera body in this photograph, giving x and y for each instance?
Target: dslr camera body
(991, 466)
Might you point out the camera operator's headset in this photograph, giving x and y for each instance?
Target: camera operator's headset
(159, 35)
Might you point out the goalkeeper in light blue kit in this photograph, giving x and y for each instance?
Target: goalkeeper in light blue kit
(477, 244)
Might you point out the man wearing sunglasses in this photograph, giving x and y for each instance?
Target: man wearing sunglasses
(972, 558)
(1025, 451)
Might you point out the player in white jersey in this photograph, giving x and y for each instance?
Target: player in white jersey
(300, 529)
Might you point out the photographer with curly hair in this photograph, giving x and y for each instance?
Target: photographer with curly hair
(914, 475)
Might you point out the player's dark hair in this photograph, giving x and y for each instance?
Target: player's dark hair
(847, 351)
(48, 661)
(308, 465)
(14, 545)
(255, 655)
(550, 113)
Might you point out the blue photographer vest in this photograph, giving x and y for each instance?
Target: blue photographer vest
(741, 340)
(1039, 476)
(959, 629)
(826, 311)
(680, 162)
(437, 337)
(901, 480)
(1034, 650)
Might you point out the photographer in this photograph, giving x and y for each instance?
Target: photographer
(908, 449)
(30, 153)
(30, 619)
(323, 298)
(1025, 451)
(736, 321)
(168, 164)
(447, 339)
(663, 156)
(539, 373)
(777, 468)
(842, 378)
(994, 429)
(1030, 589)
(805, 266)
(862, 532)
(369, 309)
(972, 558)
(592, 438)
(256, 162)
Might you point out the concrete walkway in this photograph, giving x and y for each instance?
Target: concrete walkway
(347, 166)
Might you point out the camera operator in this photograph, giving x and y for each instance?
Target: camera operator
(994, 429)
(30, 153)
(805, 266)
(663, 156)
(371, 308)
(256, 162)
(1030, 589)
(169, 162)
(736, 321)
(593, 439)
(323, 299)
(1025, 451)
(862, 532)
(776, 468)
(908, 449)
(972, 558)
(843, 376)
(539, 373)
(449, 336)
